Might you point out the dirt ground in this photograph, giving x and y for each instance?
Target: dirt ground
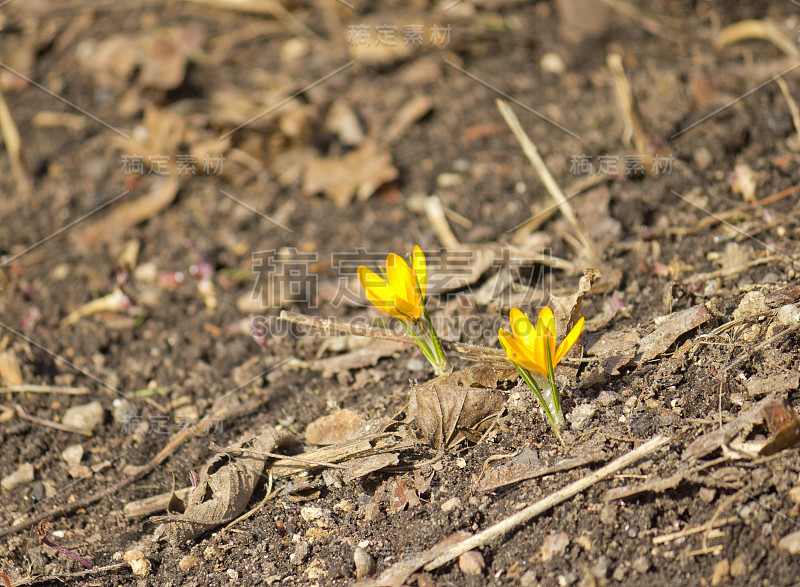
(175, 174)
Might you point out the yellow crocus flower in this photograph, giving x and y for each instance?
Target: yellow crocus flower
(402, 293)
(525, 346)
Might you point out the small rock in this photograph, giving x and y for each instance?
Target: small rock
(365, 564)
(554, 545)
(415, 364)
(707, 494)
(233, 574)
(311, 513)
(471, 563)
(448, 180)
(580, 415)
(703, 158)
(608, 514)
(722, 571)
(123, 411)
(738, 566)
(600, 568)
(140, 565)
(23, 474)
(641, 564)
(794, 494)
(86, 417)
(301, 551)
(552, 63)
(187, 563)
(790, 543)
(788, 315)
(73, 454)
(451, 504)
(211, 552)
(528, 579)
(608, 398)
(371, 512)
(619, 573)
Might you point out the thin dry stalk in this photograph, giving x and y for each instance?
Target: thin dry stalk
(14, 147)
(586, 250)
(44, 389)
(793, 109)
(636, 131)
(49, 423)
(766, 30)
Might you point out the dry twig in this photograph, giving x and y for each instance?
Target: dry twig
(587, 249)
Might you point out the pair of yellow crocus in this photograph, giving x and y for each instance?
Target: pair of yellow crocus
(402, 295)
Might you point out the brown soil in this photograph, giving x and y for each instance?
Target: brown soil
(658, 238)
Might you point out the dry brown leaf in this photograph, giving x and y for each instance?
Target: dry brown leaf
(773, 411)
(449, 407)
(160, 56)
(223, 491)
(359, 174)
(334, 428)
(674, 325)
(358, 468)
(132, 213)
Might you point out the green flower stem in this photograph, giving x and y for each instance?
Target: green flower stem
(422, 345)
(443, 366)
(552, 377)
(556, 420)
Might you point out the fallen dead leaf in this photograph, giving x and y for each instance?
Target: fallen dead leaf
(451, 407)
(673, 326)
(334, 428)
(223, 490)
(359, 173)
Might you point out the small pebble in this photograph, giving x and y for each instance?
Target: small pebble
(23, 474)
(528, 579)
(451, 504)
(788, 315)
(641, 564)
(703, 158)
(580, 416)
(554, 544)
(415, 364)
(721, 572)
(790, 543)
(608, 514)
(187, 563)
(608, 398)
(140, 565)
(471, 563)
(73, 454)
(738, 566)
(552, 63)
(86, 417)
(311, 513)
(233, 574)
(301, 551)
(123, 411)
(365, 564)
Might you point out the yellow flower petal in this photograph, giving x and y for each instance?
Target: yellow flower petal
(520, 324)
(546, 333)
(420, 270)
(568, 341)
(401, 278)
(378, 291)
(518, 353)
